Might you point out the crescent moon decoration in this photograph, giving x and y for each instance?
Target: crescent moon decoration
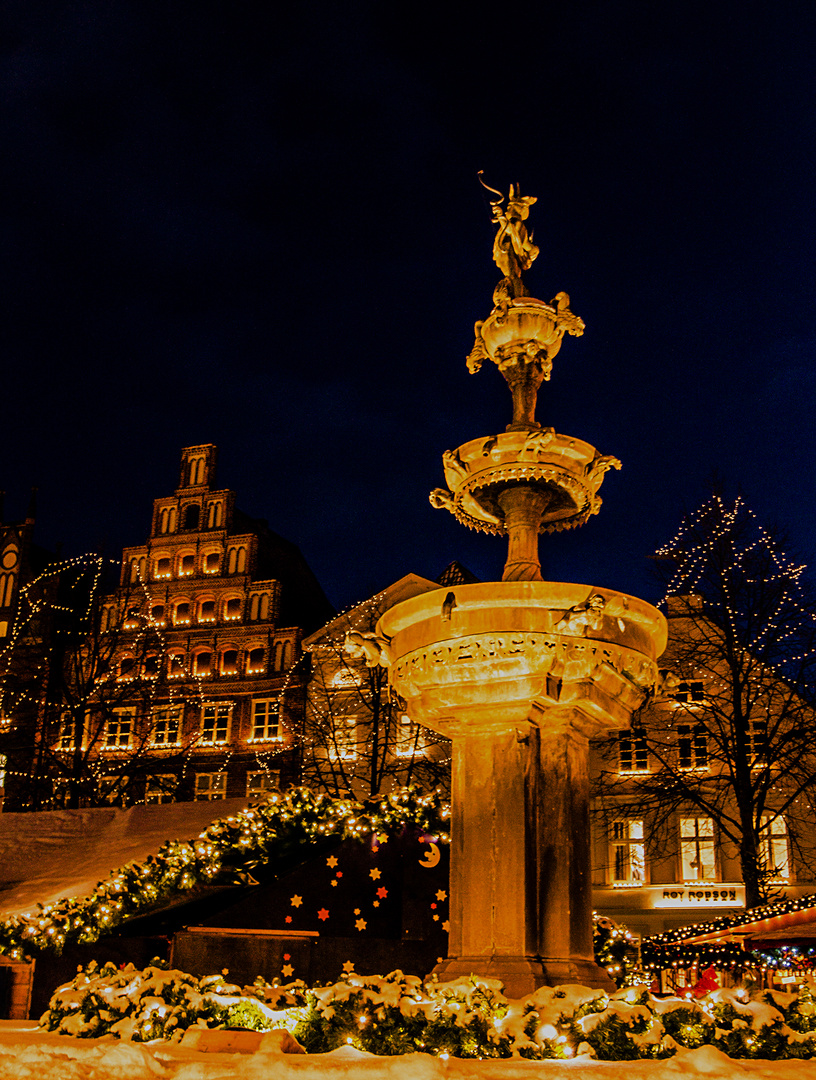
(432, 858)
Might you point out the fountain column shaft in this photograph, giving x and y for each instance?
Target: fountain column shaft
(521, 907)
(522, 506)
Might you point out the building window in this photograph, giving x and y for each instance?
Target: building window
(757, 741)
(176, 666)
(697, 849)
(345, 736)
(196, 473)
(166, 725)
(6, 589)
(187, 566)
(127, 667)
(214, 515)
(160, 788)
(232, 610)
(261, 783)
(627, 851)
(265, 719)
(118, 729)
(163, 516)
(171, 520)
(689, 693)
(151, 666)
(206, 613)
(259, 606)
(773, 847)
(192, 514)
(202, 663)
(633, 755)
(68, 733)
(157, 614)
(215, 724)
(210, 785)
(111, 790)
(212, 562)
(181, 615)
(229, 662)
(692, 746)
(108, 616)
(10, 556)
(163, 569)
(236, 560)
(255, 662)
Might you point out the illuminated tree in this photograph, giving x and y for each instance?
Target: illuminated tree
(357, 734)
(729, 733)
(77, 679)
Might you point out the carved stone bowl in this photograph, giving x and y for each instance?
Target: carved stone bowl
(499, 653)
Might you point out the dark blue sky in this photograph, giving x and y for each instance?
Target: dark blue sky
(262, 228)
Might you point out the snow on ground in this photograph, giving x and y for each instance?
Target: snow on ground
(27, 1053)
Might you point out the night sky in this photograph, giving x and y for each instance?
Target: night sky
(260, 226)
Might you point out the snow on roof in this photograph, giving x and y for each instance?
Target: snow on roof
(60, 853)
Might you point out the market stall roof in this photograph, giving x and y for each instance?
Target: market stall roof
(60, 853)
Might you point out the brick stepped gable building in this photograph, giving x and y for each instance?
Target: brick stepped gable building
(231, 602)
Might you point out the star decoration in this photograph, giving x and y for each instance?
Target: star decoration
(361, 924)
(375, 903)
(436, 918)
(323, 914)
(296, 901)
(331, 862)
(287, 970)
(382, 838)
(339, 873)
(382, 892)
(287, 956)
(446, 926)
(441, 894)
(288, 918)
(433, 907)
(375, 874)
(348, 967)
(334, 881)
(356, 911)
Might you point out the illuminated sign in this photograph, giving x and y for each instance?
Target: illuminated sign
(697, 896)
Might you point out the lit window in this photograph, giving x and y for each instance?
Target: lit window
(176, 665)
(229, 662)
(157, 614)
(181, 616)
(255, 662)
(68, 733)
(151, 667)
(160, 788)
(10, 556)
(127, 667)
(202, 663)
(265, 722)
(6, 589)
(187, 566)
(163, 569)
(209, 785)
(261, 783)
(166, 725)
(627, 851)
(207, 611)
(132, 619)
(689, 693)
(773, 847)
(697, 849)
(633, 755)
(215, 724)
(212, 563)
(118, 729)
(345, 736)
(757, 741)
(233, 608)
(692, 746)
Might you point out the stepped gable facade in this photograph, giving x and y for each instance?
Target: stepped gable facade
(229, 602)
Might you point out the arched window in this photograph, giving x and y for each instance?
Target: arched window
(196, 471)
(206, 612)
(229, 662)
(151, 667)
(253, 607)
(134, 570)
(10, 556)
(181, 615)
(6, 589)
(211, 562)
(186, 566)
(127, 667)
(214, 515)
(171, 520)
(232, 561)
(157, 614)
(277, 656)
(163, 568)
(287, 656)
(163, 520)
(232, 608)
(108, 617)
(241, 560)
(202, 663)
(192, 513)
(175, 665)
(255, 662)
(264, 607)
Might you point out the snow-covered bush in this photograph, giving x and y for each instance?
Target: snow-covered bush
(468, 1017)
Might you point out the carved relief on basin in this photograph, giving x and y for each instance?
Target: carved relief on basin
(501, 653)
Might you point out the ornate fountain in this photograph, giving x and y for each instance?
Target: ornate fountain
(521, 673)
